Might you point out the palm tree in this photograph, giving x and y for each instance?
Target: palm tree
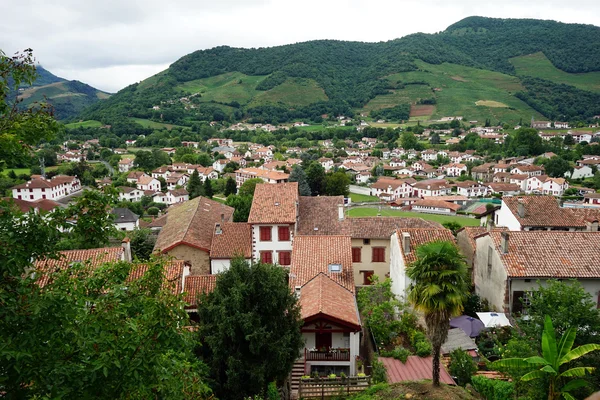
(439, 288)
(554, 357)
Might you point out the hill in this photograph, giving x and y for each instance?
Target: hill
(480, 68)
(68, 98)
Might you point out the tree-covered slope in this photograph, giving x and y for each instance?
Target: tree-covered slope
(280, 83)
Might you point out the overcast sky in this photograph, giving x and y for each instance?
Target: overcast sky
(112, 43)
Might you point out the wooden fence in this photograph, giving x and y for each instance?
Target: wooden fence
(322, 388)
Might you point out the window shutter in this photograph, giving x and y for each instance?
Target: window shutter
(265, 233)
(367, 277)
(266, 257)
(378, 254)
(285, 258)
(283, 233)
(356, 253)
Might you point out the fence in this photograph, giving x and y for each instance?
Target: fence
(322, 388)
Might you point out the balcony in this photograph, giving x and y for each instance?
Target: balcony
(338, 354)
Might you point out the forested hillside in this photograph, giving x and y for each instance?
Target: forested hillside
(306, 80)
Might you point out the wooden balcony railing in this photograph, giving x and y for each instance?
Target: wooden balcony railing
(340, 354)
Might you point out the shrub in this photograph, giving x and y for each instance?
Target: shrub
(423, 348)
(399, 353)
(379, 372)
(493, 389)
(272, 393)
(153, 211)
(462, 366)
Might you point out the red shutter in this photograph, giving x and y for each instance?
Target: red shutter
(368, 275)
(283, 233)
(285, 258)
(266, 257)
(265, 233)
(356, 254)
(378, 254)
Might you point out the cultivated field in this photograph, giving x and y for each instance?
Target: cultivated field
(386, 212)
(85, 124)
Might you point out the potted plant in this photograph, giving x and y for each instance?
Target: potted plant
(332, 376)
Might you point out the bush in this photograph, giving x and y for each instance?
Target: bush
(493, 389)
(399, 353)
(379, 372)
(153, 211)
(462, 366)
(423, 348)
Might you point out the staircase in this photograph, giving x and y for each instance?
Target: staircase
(297, 372)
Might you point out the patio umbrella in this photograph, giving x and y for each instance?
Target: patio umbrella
(471, 326)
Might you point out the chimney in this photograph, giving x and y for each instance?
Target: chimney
(341, 212)
(126, 250)
(406, 242)
(222, 218)
(218, 229)
(504, 242)
(297, 290)
(521, 208)
(592, 226)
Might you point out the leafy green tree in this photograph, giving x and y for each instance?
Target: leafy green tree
(204, 159)
(194, 187)
(207, 188)
(249, 329)
(555, 356)
(439, 276)
(298, 175)
(87, 221)
(248, 187)
(337, 184)
(241, 204)
(524, 142)
(434, 138)
(462, 366)
(557, 166)
(568, 140)
(142, 243)
(315, 175)
(230, 187)
(453, 226)
(144, 160)
(409, 141)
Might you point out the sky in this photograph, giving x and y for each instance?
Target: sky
(110, 44)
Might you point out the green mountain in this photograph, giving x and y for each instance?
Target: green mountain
(68, 98)
(480, 68)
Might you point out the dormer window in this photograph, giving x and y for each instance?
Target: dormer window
(335, 267)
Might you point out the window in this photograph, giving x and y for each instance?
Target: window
(266, 257)
(356, 254)
(335, 267)
(265, 233)
(378, 254)
(285, 258)
(283, 233)
(367, 277)
(366, 242)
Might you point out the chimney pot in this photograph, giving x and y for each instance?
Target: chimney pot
(406, 242)
(504, 242)
(126, 250)
(222, 218)
(521, 208)
(341, 212)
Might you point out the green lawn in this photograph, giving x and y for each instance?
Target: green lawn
(225, 88)
(146, 123)
(85, 124)
(27, 171)
(386, 212)
(538, 65)
(361, 198)
(292, 92)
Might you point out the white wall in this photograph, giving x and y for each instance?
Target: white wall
(217, 266)
(490, 283)
(127, 226)
(337, 341)
(400, 281)
(274, 245)
(504, 217)
(592, 286)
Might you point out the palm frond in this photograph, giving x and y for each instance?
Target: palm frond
(578, 352)
(566, 342)
(577, 372)
(538, 374)
(574, 384)
(549, 350)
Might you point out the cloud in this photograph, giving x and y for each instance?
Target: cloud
(113, 43)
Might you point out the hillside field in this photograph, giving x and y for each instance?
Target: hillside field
(386, 212)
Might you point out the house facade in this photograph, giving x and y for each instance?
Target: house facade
(41, 188)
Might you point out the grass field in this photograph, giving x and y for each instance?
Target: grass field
(85, 124)
(225, 88)
(473, 93)
(294, 91)
(372, 212)
(538, 65)
(362, 198)
(27, 171)
(146, 123)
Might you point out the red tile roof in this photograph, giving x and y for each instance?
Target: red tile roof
(195, 285)
(313, 255)
(41, 204)
(542, 211)
(274, 204)
(415, 369)
(437, 204)
(173, 274)
(420, 236)
(92, 257)
(192, 223)
(234, 240)
(550, 254)
(323, 297)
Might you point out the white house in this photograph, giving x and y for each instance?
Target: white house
(243, 174)
(580, 173)
(471, 189)
(127, 193)
(219, 165)
(431, 187)
(125, 164)
(125, 219)
(555, 186)
(326, 163)
(230, 240)
(146, 182)
(536, 213)
(431, 206)
(41, 188)
(455, 169)
(390, 189)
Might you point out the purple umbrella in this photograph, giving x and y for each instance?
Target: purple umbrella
(471, 326)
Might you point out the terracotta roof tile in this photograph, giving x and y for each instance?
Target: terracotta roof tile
(420, 236)
(312, 255)
(319, 215)
(323, 296)
(437, 203)
(173, 274)
(542, 211)
(274, 204)
(415, 369)
(195, 285)
(192, 223)
(234, 240)
(550, 254)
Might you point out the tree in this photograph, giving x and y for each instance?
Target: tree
(434, 138)
(230, 187)
(453, 226)
(409, 141)
(337, 184)
(439, 288)
(554, 357)
(241, 204)
(568, 140)
(557, 166)
(315, 175)
(249, 327)
(204, 159)
(208, 189)
(462, 366)
(298, 175)
(248, 187)
(142, 243)
(194, 187)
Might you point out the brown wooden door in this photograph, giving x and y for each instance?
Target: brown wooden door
(322, 340)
